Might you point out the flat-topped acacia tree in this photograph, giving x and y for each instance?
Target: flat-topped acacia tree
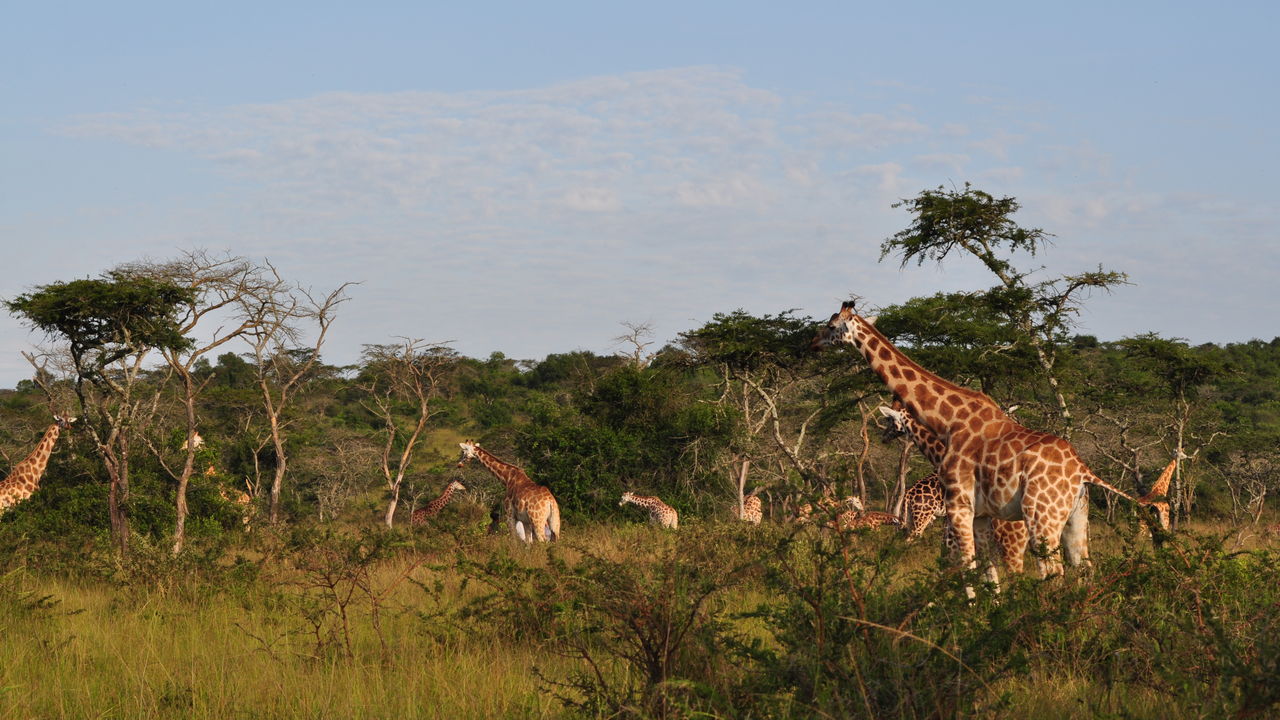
(109, 326)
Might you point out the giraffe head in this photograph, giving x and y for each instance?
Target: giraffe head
(455, 485)
(469, 449)
(897, 421)
(840, 328)
(627, 497)
(63, 421)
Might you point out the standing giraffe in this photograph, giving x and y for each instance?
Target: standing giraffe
(24, 478)
(431, 509)
(531, 509)
(660, 513)
(1160, 489)
(993, 467)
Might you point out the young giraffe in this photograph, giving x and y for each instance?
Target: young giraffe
(431, 509)
(531, 509)
(660, 513)
(24, 478)
(827, 504)
(1160, 489)
(992, 466)
(851, 520)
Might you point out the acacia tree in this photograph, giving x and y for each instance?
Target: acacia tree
(282, 363)
(979, 224)
(401, 382)
(110, 325)
(767, 376)
(225, 291)
(1180, 374)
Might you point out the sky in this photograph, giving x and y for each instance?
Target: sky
(530, 178)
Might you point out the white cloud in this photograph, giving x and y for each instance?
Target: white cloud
(670, 195)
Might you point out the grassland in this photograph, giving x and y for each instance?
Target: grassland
(713, 621)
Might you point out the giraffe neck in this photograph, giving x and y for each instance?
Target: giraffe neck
(1161, 486)
(444, 496)
(509, 474)
(925, 441)
(942, 406)
(25, 476)
(647, 503)
(33, 466)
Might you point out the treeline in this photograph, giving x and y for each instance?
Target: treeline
(735, 405)
(206, 404)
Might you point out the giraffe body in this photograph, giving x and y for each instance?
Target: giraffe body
(24, 478)
(751, 511)
(431, 509)
(853, 520)
(926, 500)
(660, 513)
(829, 505)
(992, 467)
(530, 508)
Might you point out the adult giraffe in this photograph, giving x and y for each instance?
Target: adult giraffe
(531, 509)
(993, 467)
(24, 478)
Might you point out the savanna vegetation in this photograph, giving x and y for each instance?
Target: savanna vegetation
(224, 531)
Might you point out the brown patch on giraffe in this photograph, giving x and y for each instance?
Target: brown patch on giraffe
(884, 353)
(895, 372)
(908, 374)
(927, 402)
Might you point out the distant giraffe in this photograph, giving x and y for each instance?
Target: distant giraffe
(242, 499)
(829, 505)
(751, 512)
(24, 478)
(431, 509)
(660, 513)
(531, 509)
(850, 520)
(1160, 489)
(993, 467)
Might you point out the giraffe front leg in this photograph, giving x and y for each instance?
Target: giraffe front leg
(984, 542)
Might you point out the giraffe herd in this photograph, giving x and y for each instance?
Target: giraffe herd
(997, 483)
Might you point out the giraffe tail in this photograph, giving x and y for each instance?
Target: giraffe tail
(1160, 512)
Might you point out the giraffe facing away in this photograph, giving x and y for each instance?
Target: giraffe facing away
(431, 509)
(992, 467)
(24, 478)
(751, 512)
(660, 513)
(531, 509)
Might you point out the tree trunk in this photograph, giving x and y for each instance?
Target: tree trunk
(277, 482)
(900, 490)
(391, 506)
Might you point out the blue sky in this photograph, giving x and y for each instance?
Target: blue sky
(527, 177)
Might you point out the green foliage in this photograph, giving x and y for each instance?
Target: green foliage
(744, 342)
(969, 221)
(961, 336)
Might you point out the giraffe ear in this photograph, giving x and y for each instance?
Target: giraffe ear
(890, 412)
(871, 319)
